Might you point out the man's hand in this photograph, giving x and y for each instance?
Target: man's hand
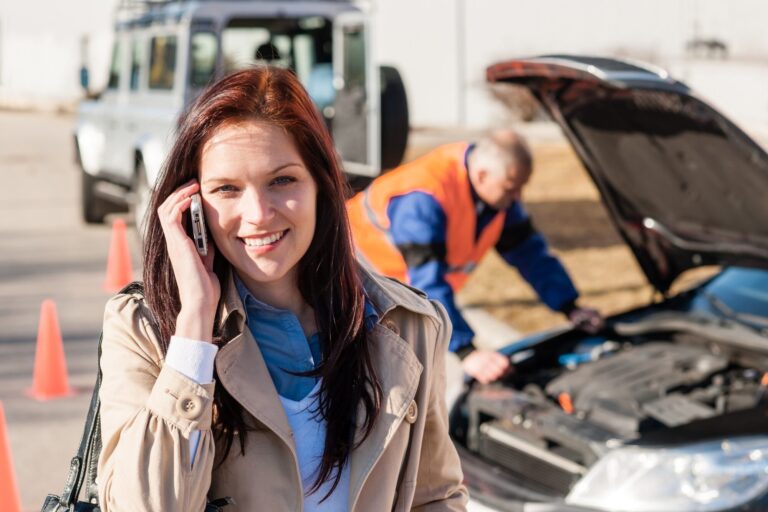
(485, 365)
(587, 319)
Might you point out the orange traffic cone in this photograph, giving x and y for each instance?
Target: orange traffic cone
(50, 374)
(9, 491)
(119, 271)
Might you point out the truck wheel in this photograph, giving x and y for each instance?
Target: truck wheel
(394, 117)
(91, 206)
(142, 194)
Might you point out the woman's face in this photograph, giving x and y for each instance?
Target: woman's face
(259, 201)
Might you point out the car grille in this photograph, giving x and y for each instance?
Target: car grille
(501, 445)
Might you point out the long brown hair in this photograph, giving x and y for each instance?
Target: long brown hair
(327, 274)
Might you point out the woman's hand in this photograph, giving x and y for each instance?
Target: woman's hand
(199, 288)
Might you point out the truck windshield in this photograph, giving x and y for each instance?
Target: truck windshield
(304, 45)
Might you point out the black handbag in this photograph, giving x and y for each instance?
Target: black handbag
(82, 468)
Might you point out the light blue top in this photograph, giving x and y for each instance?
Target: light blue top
(309, 433)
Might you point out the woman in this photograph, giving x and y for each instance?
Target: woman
(327, 392)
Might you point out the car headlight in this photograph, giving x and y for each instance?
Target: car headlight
(697, 477)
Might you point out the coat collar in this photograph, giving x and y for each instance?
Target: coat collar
(385, 293)
(242, 371)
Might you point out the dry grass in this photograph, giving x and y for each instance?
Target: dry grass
(566, 207)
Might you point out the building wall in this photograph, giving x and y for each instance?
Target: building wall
(40, 49)
(441, 47)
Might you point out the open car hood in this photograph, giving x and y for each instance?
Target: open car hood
(684, 186)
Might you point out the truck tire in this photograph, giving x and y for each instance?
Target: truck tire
(92, 206)
(394, 117)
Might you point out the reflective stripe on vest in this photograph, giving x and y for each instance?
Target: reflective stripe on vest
(372, 217)
(465, 268)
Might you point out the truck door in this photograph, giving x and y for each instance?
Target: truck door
(355, 123)
(113, 102)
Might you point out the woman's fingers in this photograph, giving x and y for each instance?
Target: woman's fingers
(208, 258)
(180, 194)
(171, 210)
(179, 208)
(185, 190)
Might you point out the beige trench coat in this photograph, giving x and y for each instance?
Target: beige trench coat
(149, 410)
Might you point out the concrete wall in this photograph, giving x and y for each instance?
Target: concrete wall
(442, 47)
(40, 49)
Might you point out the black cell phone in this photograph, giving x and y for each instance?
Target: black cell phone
(197, 221)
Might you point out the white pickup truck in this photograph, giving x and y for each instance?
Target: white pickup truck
(166, 52)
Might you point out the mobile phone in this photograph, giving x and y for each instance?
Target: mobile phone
(197, 221)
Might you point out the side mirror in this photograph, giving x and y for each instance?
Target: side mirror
(84, 78)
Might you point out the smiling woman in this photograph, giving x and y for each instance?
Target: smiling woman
(273, 370)
(260, 202)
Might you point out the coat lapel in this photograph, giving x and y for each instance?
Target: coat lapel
(398, 370)
(242, 371)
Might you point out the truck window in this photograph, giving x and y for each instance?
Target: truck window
(162, 64)
(114, 67)
(240, 44)
(204, 47)
(354, 63)
(299, 44)
(136, 60)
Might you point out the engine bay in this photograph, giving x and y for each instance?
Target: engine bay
(571, 401)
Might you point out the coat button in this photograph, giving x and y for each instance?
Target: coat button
(412, 413)
(392, 326)
(189, 406)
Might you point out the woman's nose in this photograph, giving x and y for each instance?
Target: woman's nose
(257, 207)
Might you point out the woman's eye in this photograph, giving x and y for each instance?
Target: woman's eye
(283, 180)
(224, 189)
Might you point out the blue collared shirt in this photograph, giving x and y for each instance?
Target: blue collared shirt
(283, 345)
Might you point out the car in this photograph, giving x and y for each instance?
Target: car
(665, 409)
(166, 52)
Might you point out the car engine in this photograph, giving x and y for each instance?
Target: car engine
(557, 415)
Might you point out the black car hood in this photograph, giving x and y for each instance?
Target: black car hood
(684, 185)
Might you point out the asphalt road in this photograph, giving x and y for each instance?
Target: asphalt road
(47, 252)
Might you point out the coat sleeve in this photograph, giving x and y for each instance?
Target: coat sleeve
(148, 412)
(439, 479)
(523, 247)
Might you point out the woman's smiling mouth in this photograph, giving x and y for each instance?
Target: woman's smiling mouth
(264, 243)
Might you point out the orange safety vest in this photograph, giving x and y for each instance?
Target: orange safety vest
(441, 174)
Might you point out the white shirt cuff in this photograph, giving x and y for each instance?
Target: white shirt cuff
(192, 358)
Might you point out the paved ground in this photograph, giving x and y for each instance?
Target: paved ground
(47, 252)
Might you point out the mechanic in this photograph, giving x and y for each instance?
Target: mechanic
(430, 221)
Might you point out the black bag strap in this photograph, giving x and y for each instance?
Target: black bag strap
(82, 468)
